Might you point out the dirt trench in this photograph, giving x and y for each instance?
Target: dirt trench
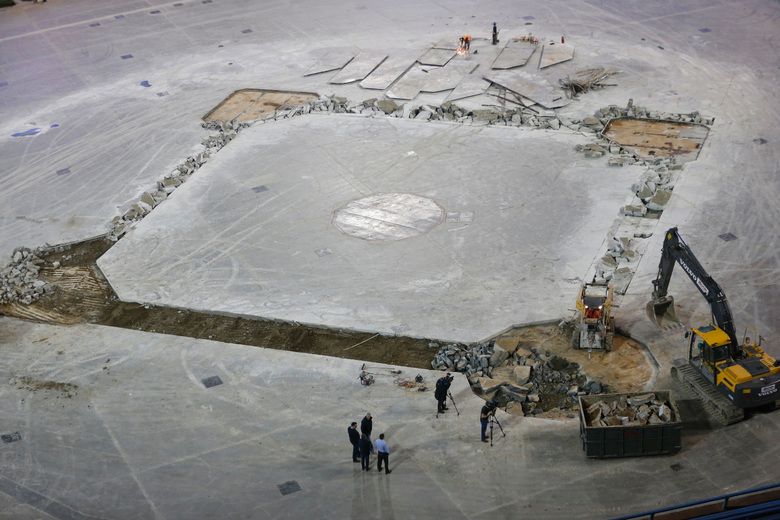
(81, 294)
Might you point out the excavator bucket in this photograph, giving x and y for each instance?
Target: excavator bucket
(661, 312)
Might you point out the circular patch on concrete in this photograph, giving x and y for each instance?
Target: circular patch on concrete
(390, 216)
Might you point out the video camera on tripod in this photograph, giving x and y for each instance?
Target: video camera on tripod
(492, 406)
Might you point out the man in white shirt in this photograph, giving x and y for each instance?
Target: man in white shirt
(383, 453)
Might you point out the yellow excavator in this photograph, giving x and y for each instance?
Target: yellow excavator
(728, 377)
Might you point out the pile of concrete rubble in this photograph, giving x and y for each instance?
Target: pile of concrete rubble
(226, 131)
(637, 410)
(19, 281)
(526, 380)
(448, 111)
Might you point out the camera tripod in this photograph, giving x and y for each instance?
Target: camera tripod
(449, 394)
(493, 419)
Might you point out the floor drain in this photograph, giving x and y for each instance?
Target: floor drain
(211, 381)
(11, 437)
(289, 487)
(727, 237)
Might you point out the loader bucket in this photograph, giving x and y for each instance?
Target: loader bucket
(661, 312)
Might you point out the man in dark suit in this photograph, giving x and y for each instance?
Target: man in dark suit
(442, 389)
(366, 447)
(366, 425)
(354, 439)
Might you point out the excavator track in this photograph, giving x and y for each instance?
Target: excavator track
(717, 405)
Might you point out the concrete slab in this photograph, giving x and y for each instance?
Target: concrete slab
(554, 53)
(436, 57)
(516, 53)
(530, 86)
(360, 67)
(329, 62)
(218, 245)
(430, 79)
(143, 438)
(390, 70)
(471, 85)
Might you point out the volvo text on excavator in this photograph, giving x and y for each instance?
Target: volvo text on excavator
(727, 376)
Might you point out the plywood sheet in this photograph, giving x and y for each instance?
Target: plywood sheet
(653, 138)
(252, 104)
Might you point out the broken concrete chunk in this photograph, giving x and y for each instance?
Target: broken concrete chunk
(634, 210)
(387, 106)
(645, 192)
(148, 199)
(423, 115)
(487, 385)
(659, 200)
(488, 116)
(641, 399)
(591, 121)
(521, 374)
(498, 357)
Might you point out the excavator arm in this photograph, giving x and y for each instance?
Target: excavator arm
(676, 251)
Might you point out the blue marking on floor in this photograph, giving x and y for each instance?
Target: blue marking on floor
(26, 133)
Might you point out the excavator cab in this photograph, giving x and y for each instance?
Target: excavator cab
(709, 346)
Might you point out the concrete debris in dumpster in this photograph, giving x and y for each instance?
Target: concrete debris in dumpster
(638, 410)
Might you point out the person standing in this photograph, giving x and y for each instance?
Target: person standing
(365, 452)
(366, 425)
(484, 418)
(442, 388)
(354, 439)
(495, 34)
(382, 454)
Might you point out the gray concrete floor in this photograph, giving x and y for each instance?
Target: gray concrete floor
(143, 438)
(146, 441)
(526, 217)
